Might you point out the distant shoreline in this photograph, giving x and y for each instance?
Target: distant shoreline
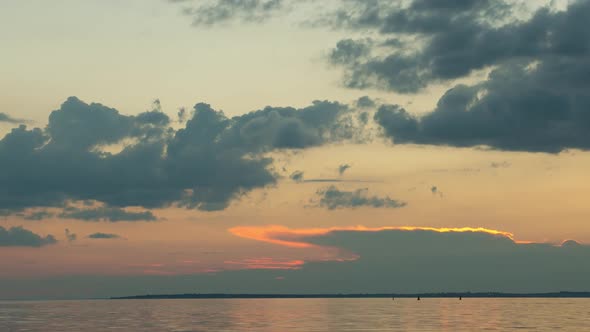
(356, 296)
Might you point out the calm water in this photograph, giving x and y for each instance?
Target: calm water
(298, 315)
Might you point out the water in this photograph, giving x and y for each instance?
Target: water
(298, 315)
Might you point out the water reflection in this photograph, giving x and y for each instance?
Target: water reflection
(298, 315)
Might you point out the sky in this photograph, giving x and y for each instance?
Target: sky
(281, 146)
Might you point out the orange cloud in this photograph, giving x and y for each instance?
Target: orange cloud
(267, 264)
(295, 238)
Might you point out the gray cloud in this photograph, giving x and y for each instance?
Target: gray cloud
(451, 40)
(289, 128)
(7, 118)
(343, 168)
(181, 115)
(109, 214)
(536, 98)
(471, 261)
(20, 237)
(297, 176)
(332, 198)
(365, 102)
(406, 261)
(100, 236)
(539, 107)
(71, 237)
(416, 43)
(436, 191)
(39, 215)
(205, 165)
(214, 12)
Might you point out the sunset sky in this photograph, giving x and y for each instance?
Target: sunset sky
(293, 146)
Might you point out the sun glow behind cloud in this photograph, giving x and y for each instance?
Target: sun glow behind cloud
(267, 263)
(295, 238)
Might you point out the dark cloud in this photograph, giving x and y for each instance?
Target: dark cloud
(539, 107)
(109, 214)
(449, 40)
(79, 126)
(535, 99)
(20, 237)
(290, 128)
(343, 168)
(39, 215)
(8, 119)
(332, 198)
(205, 165)
(460, 261)
(365, 102)
(406, 261)
(214, 12)
(436, 191)
(71, 237)
(155, 118)
(416, 43)
(410, 259)
(181, 115)
(349, 51)
(103, 236)
(297, 176)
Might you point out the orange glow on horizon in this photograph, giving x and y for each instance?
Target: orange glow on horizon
(293, 238)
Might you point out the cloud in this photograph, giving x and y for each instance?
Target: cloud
(297, 176)
(266, 264)
(437, 42)
(436, 191)
(181, 115)
(343, 168)
(39, 215)
(205, 165)
(416, 43)
(71, 237)
(214, 12)
(416, 259)
(103, 236)
(332, 198)
(298, 238)
(109, 214)
(535, 98)
(8, 119)
(370, 260)
(365, 102)
(289, 128)
(541, 108)
(20, 237)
